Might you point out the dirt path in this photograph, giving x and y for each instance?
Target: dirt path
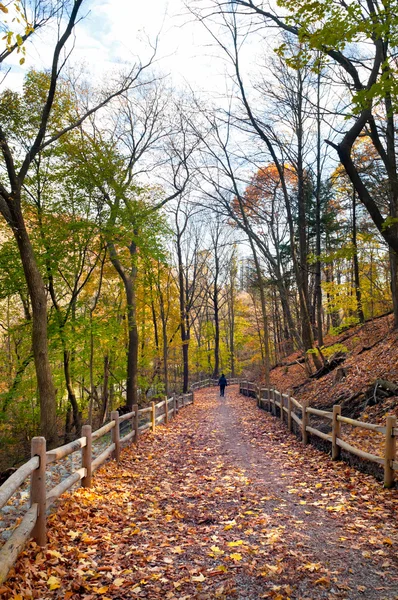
(223, 503)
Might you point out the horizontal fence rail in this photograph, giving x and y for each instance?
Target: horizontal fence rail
(271, 399)
(33, 523)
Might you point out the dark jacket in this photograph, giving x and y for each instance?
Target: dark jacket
(222, 380)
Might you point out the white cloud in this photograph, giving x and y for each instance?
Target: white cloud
(116, 32)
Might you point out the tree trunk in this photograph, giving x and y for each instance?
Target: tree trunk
(232, 324)
(129, 279)
(184, 333)
(216, 370)
(267, 362)
(318, 289)
(105, 391)
(132, 353)
(71, 393)
(37, 293)
(359, 310)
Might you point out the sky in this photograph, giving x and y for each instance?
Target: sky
(114, 32)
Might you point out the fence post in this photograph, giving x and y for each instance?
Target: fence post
(38, 490)
(269, 398)
(87, 456)
(183, 401)
(289, 412)
(166, 411)
(153, 416)
(304, 418)
(135, 423)
(175, 405)
(116, 435)
(282, 404)
(273, 409)
(336, 429)
(391, 423)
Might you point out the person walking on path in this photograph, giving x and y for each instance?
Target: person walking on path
(222, 382)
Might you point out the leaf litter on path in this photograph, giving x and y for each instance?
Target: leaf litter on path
(221, 503)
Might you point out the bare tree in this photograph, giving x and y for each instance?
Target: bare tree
(369, 76)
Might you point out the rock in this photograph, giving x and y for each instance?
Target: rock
(6, 534)
(6, 510)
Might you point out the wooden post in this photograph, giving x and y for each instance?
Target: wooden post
(390, 453)
(269, 398)
(282, 405)
(273, 401)
(135, 423)
(87, 456)
(116, 435)
(305, 422)
(175, 404)
(166, 411)
(183, 401)
(153, 416)
(38, 490)
(289, 412)
(336, 429)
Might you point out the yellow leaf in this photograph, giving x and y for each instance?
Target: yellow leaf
(236, 556)
(322, 581)
(53, 582)
(73, 534)
(312, 567)
(237, 543)
(338, 508)
(118, 581)
(274, 568)
(4, 9)
(101, 590)
(387, 541)
(318, 485)
(54, 553)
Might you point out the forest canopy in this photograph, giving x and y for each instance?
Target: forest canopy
(154, 234)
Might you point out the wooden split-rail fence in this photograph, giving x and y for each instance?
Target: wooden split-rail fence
(33, 523)
(276, 402)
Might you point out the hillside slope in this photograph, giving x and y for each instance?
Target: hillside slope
(363, 382)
